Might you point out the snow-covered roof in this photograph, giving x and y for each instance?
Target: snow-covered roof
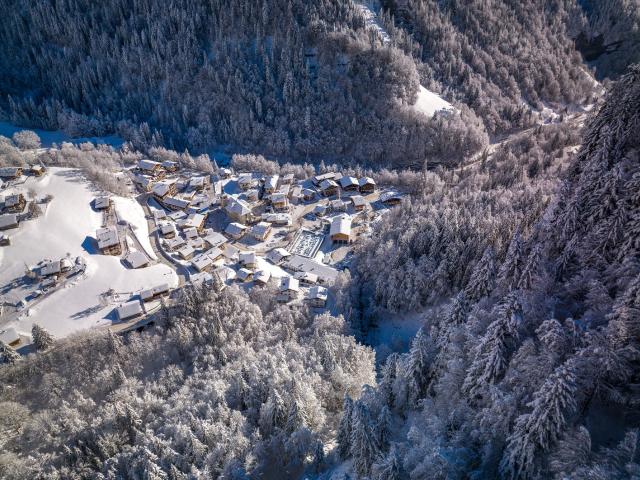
(271, 182)
(201, 262)
(50, 268)
(289, 284)
(161, 189)
(279, 218)
(107, 237)
(148, 165)
(325, 176)
(340, 225)
(175, 202)
(307, 277)
(235, 229)
(245, 179)
(9, 336)
(247, 258)
(186, 251)
(174, 243)
(225, 273)
(167, 228)
(278, 198)
(238, 207)
(136, 259)
(304, 264)
(215, 239)
(278, 254)
(13, 200)
(190, 232)
(262, 276)
(194, 220)
(320, 209)
(386, 196)
(327, 184)
(244, 274)
(318, 293)
(215, 253)
(260, 230)
(366, 181)
(101, 202)
(358, 201)
(10, 171)
(8, 220)
(346, 182)
(129, 310)
(200, 278)
(179, 215)
(149, 293)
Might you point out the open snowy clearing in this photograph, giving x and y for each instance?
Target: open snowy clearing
(68, 226)
(429, 103)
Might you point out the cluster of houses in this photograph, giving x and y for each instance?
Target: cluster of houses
(254, 206)
(12, 206)
(52, 272)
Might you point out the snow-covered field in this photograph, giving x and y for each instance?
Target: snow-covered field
(49, 137)
(429, 103)
(131, 212)
(68, 226)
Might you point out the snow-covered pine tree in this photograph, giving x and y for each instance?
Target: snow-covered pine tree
(490, 355)
(343, 437)
(388, 467)
(418, 365)
(41, 338)
(383, 428)
(483, 277)
(514, 261)
(385, 385)
(364, 444)
(536, 431)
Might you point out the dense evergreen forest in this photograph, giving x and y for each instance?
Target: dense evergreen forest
(289, 78)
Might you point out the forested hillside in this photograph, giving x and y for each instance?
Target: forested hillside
(530, 371)
(278, 77)
(502, 59)
(222, 390)
(293, 78)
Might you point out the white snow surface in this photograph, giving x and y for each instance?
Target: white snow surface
(49, 137)
(68, 226)
(131, 211)
(429, 102)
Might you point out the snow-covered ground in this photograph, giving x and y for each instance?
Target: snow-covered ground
(429, 102)
(49, 137)
(129, 210)
(68, 226)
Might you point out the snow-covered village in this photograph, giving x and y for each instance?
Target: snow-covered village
(84, 258)
(320, 240)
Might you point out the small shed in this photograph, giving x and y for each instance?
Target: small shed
(244, 275)
(102, 203)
